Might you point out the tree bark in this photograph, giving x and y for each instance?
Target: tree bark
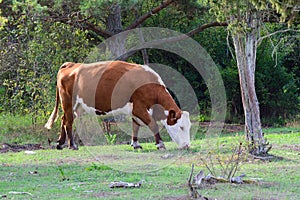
(245, 43)
(115, 46)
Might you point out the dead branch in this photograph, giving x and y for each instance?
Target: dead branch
(206, 165)
(276, 32)
(193, 188)
(121, 184)
(19, 193)
(149, 14)
(236, 161)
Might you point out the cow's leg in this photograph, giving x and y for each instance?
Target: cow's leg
(71, 142)
(66, 129)
(67, 122)
(135, 129)
(155, 129)
(151, 123)
(68, 126)
(62, 138)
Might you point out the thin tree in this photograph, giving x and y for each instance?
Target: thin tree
(244, 18)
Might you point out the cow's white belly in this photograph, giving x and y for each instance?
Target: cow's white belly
(80, 108)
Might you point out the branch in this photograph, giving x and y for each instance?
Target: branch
(205, 26)
(276, 32)
(149, 14)
(98, 31)
(83, 23)
(173, 39)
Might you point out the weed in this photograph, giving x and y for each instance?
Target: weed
(98, 167)
(62, 173)
(224, 165)
(110, 138)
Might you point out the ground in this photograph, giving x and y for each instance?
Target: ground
(87, 173)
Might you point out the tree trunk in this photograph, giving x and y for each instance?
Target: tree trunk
(115, 46)
(245, 44)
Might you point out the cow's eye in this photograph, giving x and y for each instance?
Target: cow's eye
(182, 128)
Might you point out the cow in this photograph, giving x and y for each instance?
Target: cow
(110, 87)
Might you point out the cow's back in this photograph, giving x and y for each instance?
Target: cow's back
(109, 85)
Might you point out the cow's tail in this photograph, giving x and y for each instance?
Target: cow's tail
(54, 113)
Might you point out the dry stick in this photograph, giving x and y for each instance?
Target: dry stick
(212, 165)
(223, 169)
(235, 164)
(191, 174)
(227, 166)
(206, 165)
(19, 193)
(230, 165)
(194, 191)
(238, 161)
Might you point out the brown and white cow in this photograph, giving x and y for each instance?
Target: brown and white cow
(107, 87)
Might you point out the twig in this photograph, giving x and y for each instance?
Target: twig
(212, 164)
(193, 189)
(121, 184)
(206, 165)
(263, 157)
(21, 193)
(236, 163)
(230, 160)
(274, 33)
(191, 174)
(221, 165)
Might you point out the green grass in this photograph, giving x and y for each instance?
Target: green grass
(88, 172)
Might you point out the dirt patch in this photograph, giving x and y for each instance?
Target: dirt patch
(105, 194)
(17, 148)
(228, 128)
(184, 197)
(294, 147)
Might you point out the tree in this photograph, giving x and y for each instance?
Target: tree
(245, 18)
(31, 53)
(104, 18)
(47, 33)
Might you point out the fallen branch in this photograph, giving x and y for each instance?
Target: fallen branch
(270, 157)
(121, 184)
(20, 193)
(200, 179)
(209, 179)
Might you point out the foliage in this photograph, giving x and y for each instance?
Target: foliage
(38, 36)
(32, 51)
(110, 138)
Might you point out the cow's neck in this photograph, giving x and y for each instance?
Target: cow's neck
(166, 101)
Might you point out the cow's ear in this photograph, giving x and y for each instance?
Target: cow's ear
(172, 113)
(171, 117)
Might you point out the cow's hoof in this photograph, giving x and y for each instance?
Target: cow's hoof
(138, 147)
(160, 145)
(73, 148)
(59, 147)
(161, 148)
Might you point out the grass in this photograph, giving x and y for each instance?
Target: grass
(87, 173)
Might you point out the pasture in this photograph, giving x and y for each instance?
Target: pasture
(88, 172)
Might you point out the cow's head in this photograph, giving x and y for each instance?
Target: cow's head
(178, 126)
